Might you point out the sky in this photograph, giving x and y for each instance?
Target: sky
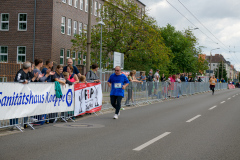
(218, 23)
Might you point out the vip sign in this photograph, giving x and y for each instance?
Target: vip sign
(88, 98)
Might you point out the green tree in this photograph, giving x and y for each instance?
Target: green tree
(126, 31)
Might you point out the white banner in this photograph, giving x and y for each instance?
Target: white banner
(21, 100)
(88, 98)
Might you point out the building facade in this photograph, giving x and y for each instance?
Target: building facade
(44, 28)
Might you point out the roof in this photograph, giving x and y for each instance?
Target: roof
(141, 3)
(216, 59)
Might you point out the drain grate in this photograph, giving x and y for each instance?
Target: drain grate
(76, 125)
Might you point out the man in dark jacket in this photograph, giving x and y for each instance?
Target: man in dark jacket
(150, 83)
(182, 78)
(24, 75)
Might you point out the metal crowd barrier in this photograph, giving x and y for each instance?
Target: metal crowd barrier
(148, 92)
(134, 95)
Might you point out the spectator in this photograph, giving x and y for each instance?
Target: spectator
(24, 75)
(72, 76)
(156, 81)
(186, 77)
(143, 79)
(75, 70)
(171, 86)
(66, 76)
(91, 75)
(163, 78)
(118, 82)
(83, 79)
(199, 79)
(130, 88)
(182, 77)
(150, 83)
(38, 65)
(58, 76)
(49, 67)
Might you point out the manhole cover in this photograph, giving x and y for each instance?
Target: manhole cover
(76, 125)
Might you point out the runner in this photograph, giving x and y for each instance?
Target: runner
(118, 82)
(213, 82)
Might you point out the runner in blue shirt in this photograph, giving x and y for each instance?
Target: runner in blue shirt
(118, 82)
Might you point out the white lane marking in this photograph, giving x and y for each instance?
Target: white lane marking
(222, 102)
(151, 141)
(237, 94)
(234, 96)
(229, 98)
(192, 119)
(212, 107)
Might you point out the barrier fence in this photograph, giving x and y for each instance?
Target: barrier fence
(36, 103)
(147, 92)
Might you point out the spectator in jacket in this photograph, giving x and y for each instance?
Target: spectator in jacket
(75, 70)
(24, 75)
(49, 67)
(58, 76)
(38, 65)
(91, 75)
(150, 83)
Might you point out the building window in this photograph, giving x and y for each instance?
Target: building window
(74, 57)
(75, 3)
(3, 54)
(21, 54)
(96, 8)
(79, 57)
(4, 22)
(64, 1)
(213, 64)
(86, 5)
(68, 53)
(62, 56)
(63, 23)
(99, 9)
(70, 2)
(22, 21)
(75, 27)
(80, 29)
(69, 27)
(84, 59)
(81, 4)
(85, 30)
(3, 79)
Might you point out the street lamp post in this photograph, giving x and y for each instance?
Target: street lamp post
(102, 24)
(211, 60)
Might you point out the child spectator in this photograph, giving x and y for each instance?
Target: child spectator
(66, 76)
(83, 79)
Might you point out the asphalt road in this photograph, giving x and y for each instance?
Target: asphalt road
(199, 127)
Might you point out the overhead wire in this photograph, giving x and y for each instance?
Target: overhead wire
(201, 30)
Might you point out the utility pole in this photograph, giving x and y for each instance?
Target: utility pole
(89, 35)
(222, 68)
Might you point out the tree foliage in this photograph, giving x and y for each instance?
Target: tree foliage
(144, 44)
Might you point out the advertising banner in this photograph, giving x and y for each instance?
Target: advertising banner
(231, 86)
(21, 100)
(88, 98)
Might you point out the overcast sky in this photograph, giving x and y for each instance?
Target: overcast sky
(218, 22)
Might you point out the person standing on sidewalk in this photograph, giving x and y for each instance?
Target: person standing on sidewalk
(118, 82)
(156, 81)
(212, 82)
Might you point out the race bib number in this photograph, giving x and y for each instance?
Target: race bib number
(213, 81)
(117, 85)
